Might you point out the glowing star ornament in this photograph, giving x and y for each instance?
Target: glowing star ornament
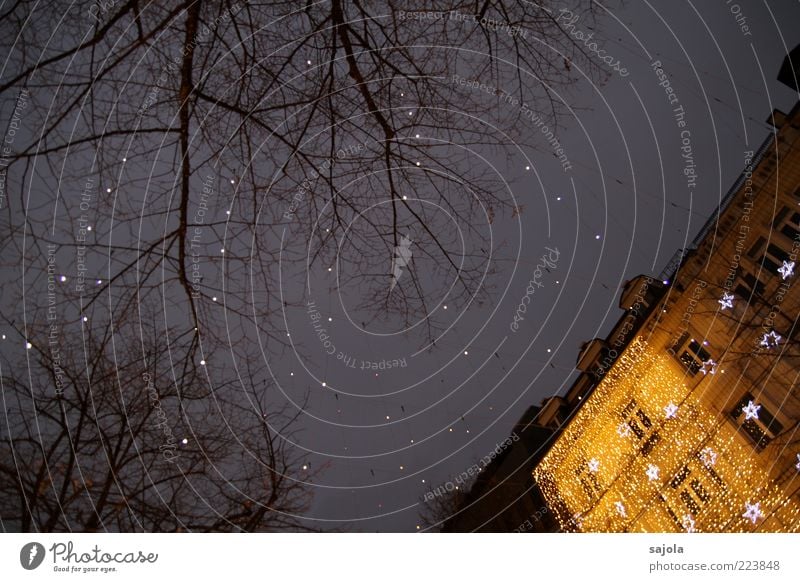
(786, 269)
(770, 340)
(620, 508)
(652, 472)
(708, 457)
(623, 430)
(670, 410)
(751, 411)
(687, 521)
(708, 367)
(594, 465)
(726, 301)
(753, 512)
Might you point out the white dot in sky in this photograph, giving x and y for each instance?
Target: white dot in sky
(63, 278)
(185, 441)
(202, 362)
(597, 236)
(527, 167)
(29, 345)
(85, 318)
(324, 384)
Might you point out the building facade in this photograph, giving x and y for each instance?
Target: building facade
(689, 421)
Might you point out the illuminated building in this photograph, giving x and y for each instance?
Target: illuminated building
(691, 423)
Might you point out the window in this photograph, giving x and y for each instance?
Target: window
(761, 429)
(693, 357)
(774, 258)
(749, 286)
(790, 227)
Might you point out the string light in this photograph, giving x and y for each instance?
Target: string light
(709, 478)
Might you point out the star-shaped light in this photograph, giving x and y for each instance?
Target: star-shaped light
(726, 301)
(711, 366)
(753, 512)
(670, 410)
(688, 523)
(623, 430)
(770, 339)
(652, 472)
(708, 456)
(620, 508)
(786, 269)
(594, 465)
(751, 410)
(577, 520)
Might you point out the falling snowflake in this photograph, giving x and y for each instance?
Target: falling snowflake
(753, 512)
(670, 410)
(688, 523)
(770, 339)
(712, 367)
(652, 472)
(726, 301)
(623, 430)
(786, 269)
(751, 410)
(620, 508)
(594, 465)
(708, 456)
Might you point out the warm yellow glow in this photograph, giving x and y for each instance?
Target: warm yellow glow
(599, 475)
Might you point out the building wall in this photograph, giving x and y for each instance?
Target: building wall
(708, 360)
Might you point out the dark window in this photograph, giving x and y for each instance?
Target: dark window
(762, 430)
(790, 231)
(756, 248)
(694, 356)
(778, 253)
(680, 477)
(780, 216)
(650, 444)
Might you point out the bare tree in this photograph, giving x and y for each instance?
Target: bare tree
(212, 163)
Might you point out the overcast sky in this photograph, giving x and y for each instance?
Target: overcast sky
(630, 210)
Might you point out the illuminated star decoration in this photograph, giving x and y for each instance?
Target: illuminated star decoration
(712, 367)
(751, 410)
(708, 456)
(670, 410)
(753, 512)
(577, 520)
(786, 269)
(623, 430)
(652, 472)
(620, 508)
(688, 523)
(594, 465)
(770, 339)
(726, 301)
